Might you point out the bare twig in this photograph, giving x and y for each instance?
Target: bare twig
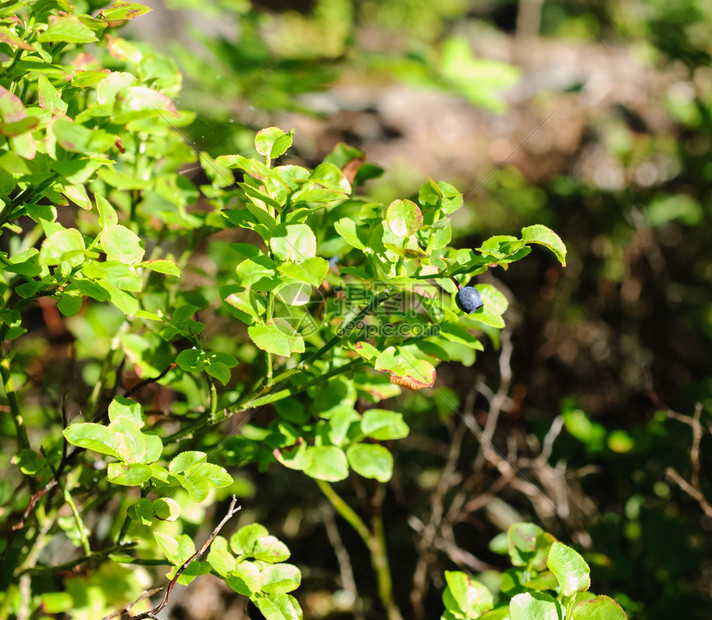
(342, 555)
(230, 513)
(33, 500)
(692, 488)
(548, 444)
(694, 493)
(125, 608)
(150, 380)
(426, 557)
(498, 399)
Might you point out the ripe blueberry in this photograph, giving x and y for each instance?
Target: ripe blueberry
(468, 299)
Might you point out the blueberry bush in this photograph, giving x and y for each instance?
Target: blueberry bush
(148, 324)
(549, 580)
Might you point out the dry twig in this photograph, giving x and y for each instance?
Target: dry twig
(230, 513)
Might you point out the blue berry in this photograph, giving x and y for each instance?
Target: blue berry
(468, 299)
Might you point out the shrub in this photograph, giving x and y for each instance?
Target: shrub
(313, 297)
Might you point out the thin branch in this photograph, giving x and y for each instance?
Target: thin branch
(230, 513)
(73, 564)
(548, 444)
(342, 555)
(9, 386)
(150, 380)
(498, 400)
(125, 608)
(33, 500)
(690, 490)
(695, 450)
(448, 479)
(379, 556)
(345, 511)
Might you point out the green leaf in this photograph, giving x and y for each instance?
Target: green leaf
(191, 360)
(548, 238)
(121, 244)
(404, 218)
(69, 305)
(218, 370)
(10, 37)
(186, 459)
(134, 100)
(339, 424)
(154, 448)
(599, 608)
(63, 245)
(293, 242)
(198, 488)
(494, 305)
(94, 437)
(114, 273)
(493, 299)
(133, 447)
(220, 558)
(166, 509)
(280, 578)
(270, 549)
(25, 263)
(530, 605)
(29, 462)
(440, 236)
(124, 10)
(107, 214)
(244, 540)
(327, 463)
(128, 474)
(253, 167)
(49, 99)
(169, 546)
(439, 196)
(28, 289)
(273, 142)
(466, 596)
(160, 474)
(503, 249)
(522, 542)
(77, 138)
(107, 89)
(273, 340)
(346, 228)
(125, 302)
(215, 475)
(406, 370)
(125, 407)
(312, 271)
(571, 570)
(371, 461)
(296, 458)
(245, 579)
(193, 570)
(67, 28)
(18, 128)
(161, 265)
(268, 609)
(384, 425)
(288, 605)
